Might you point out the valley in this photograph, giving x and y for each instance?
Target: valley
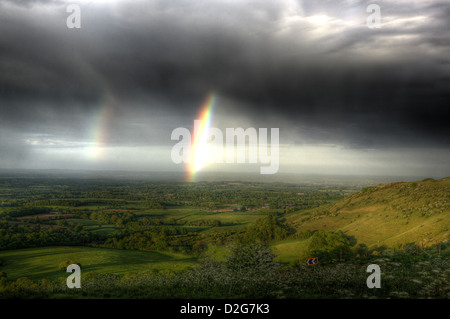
(154, 230)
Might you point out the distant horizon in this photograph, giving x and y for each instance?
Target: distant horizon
(178, 176)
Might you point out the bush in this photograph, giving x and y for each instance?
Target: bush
(254, 257)
(367, 189)
(362, 250)
(329, 246)
(266, 229)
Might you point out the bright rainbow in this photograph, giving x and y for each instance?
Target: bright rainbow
(200, 138)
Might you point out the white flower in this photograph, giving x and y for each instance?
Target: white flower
(436, 271)
(403, 294)
(394, 293)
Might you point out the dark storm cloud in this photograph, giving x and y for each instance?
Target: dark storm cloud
(328, 82)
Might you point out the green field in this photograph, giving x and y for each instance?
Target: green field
(290, 250)
(40, 263)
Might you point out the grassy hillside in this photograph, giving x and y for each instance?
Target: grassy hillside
(290, 250)
(390, 214)
(40, 263)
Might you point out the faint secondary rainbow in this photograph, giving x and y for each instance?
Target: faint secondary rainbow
(199, 144)
(99, 128)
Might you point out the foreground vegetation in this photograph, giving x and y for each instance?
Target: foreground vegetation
(251, 272)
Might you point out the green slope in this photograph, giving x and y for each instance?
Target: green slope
(290, 250)
(40, 263)
(391, 214)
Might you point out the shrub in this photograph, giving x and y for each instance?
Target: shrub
(330, 245)
(367, 189)
(255, 257)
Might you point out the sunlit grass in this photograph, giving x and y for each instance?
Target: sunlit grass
(40, 263)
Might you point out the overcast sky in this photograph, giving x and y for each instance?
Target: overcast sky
(348, 99)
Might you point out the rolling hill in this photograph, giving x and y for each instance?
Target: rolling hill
(390, 214)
